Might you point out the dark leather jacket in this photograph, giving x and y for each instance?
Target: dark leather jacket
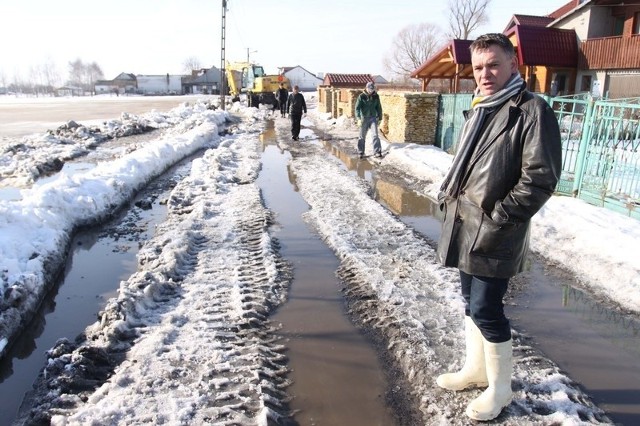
(296, 104)
(513, 171)
(282, 94)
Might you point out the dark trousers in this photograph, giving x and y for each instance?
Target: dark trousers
(283, 107)
(483, 303)
(295, 124)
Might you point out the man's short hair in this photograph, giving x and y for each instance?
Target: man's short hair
(296, 87)
(490, 39)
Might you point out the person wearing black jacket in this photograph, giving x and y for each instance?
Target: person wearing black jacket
(281, 96)
(296, 106)
(507, 165)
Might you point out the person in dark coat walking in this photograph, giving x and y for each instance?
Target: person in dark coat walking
(507, 165)
(369, 113)
(281, 96)
(296, 106)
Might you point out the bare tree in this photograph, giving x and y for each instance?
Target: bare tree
(3, 80)
(93, 73)
(190, 64)
(76, 72)
(84, 75)
(466, 16)
(50, 74)
(412, 46)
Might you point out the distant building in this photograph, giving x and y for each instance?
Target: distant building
(378, 79)
(299, 76)
(123, 83)
(127, 83)
(159, 84)
(203, 81)
(69, 91)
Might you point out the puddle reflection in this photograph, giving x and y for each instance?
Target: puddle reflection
(362, 168)
(619, 328)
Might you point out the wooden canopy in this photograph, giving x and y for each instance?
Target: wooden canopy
(540, 50)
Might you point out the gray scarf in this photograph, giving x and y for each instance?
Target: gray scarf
(481, 107)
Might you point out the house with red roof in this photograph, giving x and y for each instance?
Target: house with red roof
(584, 46)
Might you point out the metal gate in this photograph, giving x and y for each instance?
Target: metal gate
(450, 120)
(601, 150)
(610, 173)
(572, 114)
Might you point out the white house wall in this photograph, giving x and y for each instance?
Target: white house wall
(157, 84)
(305, 80)
(578, 21)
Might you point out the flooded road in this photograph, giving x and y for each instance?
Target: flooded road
(334, 367)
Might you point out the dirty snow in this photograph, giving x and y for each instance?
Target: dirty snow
(209, 278)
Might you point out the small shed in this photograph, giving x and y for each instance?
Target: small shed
(347, 81)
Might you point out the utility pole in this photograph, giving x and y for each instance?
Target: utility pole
(253, 51)
(223, 88)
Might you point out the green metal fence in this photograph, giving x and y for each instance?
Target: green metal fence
(450, 120)
(608, 164)
(600, 146)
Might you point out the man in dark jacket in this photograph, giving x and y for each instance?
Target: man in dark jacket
(369, 113)
(281, 96)
(296, 107)
(507, 166)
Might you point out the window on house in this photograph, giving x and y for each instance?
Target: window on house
(558, 84)
(636, 23)
(585, 83)
(618, 25)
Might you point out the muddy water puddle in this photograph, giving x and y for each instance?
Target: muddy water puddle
(597, 346)
(337, 377)
(98, 260)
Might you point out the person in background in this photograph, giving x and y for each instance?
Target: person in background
(296, 106)
(506, 167)
(281, 96)
(369, 113)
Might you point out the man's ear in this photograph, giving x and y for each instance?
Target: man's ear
(514, 64)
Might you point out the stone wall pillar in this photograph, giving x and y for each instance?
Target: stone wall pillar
(409, 117)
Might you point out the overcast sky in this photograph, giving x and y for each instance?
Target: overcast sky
(156, 36)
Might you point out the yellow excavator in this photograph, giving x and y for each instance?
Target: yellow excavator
(244, 77)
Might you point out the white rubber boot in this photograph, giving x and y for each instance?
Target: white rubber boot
(473, 372)
(498, 358)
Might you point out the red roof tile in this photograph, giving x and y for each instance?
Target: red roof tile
(528, 20)
(346, 80)
(436, 64)
(547, 46)
(563, 10)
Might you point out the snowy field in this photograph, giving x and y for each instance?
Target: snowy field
(188, 339)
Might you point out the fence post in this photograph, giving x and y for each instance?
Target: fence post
(583, 148)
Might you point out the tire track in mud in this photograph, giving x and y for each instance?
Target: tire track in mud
(399, 294)
(187, 340)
